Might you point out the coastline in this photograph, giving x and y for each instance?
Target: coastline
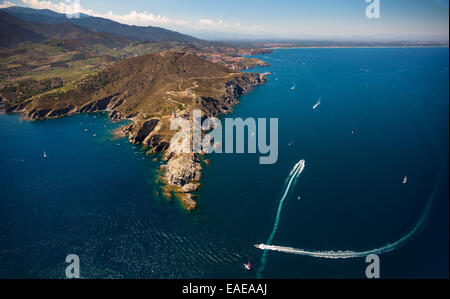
(180, 172)
(354, 47)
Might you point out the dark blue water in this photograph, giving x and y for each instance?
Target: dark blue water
(97, 197)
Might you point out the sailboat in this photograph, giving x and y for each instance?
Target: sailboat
(248, 266)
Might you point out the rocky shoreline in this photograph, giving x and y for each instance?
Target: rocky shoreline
(181, 172)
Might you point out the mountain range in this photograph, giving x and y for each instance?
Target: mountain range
(35, 25)
(14, 31)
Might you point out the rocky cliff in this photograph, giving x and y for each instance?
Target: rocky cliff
(148, 90)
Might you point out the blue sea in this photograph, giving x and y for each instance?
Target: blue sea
(383, 115)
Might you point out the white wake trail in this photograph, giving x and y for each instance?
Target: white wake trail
(293, 176)
(359, 254)
(291, 180)
(317, 104)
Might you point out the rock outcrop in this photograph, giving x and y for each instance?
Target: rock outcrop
(236, 87)
(143, 130)
(183, 169)
(129, 96)
(108, 103)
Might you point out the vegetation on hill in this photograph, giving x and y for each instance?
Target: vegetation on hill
(143, 84)
(40, 51)
(148, 75)
(134, 33)
(15, 31)
(151, 90)
(19, 91)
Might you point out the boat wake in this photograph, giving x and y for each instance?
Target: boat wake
(359, 254)
(291, 181)
(317, 104)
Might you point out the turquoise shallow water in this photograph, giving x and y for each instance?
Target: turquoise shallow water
(95, 196)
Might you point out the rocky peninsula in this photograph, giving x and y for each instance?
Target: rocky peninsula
(149, 90)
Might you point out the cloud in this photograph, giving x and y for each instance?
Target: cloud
(140, 18)
(132, 18)
(6, 4)
(220, 25)
(60, 7)
(205, 22)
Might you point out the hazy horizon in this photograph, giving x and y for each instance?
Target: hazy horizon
(286, 20)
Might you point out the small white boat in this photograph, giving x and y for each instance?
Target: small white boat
(45, 155)
(317, 104)
(293, 87)
(248, 266)
(405, 180)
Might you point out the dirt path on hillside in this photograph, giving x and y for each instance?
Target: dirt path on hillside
(188, 91)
